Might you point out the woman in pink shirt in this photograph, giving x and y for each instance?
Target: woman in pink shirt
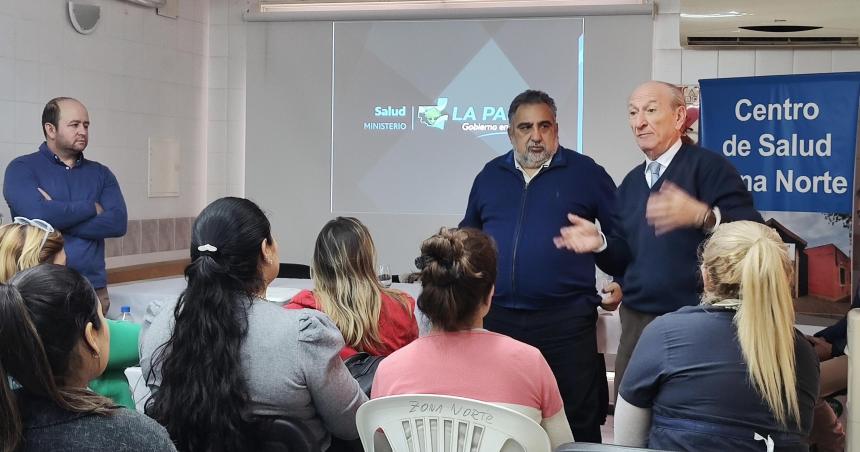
(371, 318)
(458, 272)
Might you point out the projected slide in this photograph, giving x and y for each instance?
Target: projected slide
(418, 108)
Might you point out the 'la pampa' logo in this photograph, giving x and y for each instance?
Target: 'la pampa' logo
(432, 115)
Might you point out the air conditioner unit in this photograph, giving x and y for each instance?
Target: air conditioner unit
(770, 23)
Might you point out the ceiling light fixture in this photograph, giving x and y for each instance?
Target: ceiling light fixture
(440, 9)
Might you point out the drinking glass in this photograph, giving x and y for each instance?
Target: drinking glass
(384, 274)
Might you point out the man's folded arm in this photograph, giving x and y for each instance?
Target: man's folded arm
(21, 190)
(112, 222)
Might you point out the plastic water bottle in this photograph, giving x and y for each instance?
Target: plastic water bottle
(125, 314)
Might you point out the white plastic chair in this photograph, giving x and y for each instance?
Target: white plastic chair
(852, 427)
(139, 390)
(431, 423)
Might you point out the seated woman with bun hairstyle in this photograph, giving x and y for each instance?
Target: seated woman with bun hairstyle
(458, 273)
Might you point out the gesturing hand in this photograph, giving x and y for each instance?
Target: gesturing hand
(581, 236)
(672, 208)
(611, 302)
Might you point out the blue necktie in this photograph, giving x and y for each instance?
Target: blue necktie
(654, 170)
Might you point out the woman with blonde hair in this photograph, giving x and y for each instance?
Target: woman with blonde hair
(372, 318)
(25, 243)
(221, 349)
(731, 373)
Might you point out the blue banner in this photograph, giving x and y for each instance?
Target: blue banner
(792, 138)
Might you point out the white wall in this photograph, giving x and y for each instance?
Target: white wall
(676, 65)
(226, 124)
(234, 44)
(296, 215)
(139, 74)
(289, 129)
(606, 136)
(143, 75)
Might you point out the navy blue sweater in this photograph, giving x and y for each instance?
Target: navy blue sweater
(74, 192)
(837, 334)
(523, 219)
(662, 272)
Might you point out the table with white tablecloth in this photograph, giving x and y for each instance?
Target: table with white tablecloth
(138, 295)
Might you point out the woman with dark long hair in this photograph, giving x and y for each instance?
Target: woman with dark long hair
(372, 318)
(55, 340)
(221, 348)
(25, 243)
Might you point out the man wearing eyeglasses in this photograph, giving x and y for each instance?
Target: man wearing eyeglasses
(79, 197)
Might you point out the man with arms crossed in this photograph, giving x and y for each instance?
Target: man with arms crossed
(545, 296)
(79, 197)
(666, 207)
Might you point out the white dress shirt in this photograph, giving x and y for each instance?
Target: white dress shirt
(664, 160)
(526, 176)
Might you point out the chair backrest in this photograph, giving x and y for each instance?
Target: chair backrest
(438, 423)
(139, 390)
(852, 441)
(297, 271)
(276, 431)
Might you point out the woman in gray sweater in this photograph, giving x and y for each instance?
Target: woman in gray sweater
(55, 340)
(221, 348)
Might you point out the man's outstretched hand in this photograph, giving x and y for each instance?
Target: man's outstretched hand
(581, 236)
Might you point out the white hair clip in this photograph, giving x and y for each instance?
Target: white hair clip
(207, 248)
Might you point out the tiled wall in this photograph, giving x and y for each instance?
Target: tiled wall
(225, 152)
(151, 236)
(676, 65)
(140, 75)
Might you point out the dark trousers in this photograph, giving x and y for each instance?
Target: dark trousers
(104, 299)
(567, 340)
(632, 324)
